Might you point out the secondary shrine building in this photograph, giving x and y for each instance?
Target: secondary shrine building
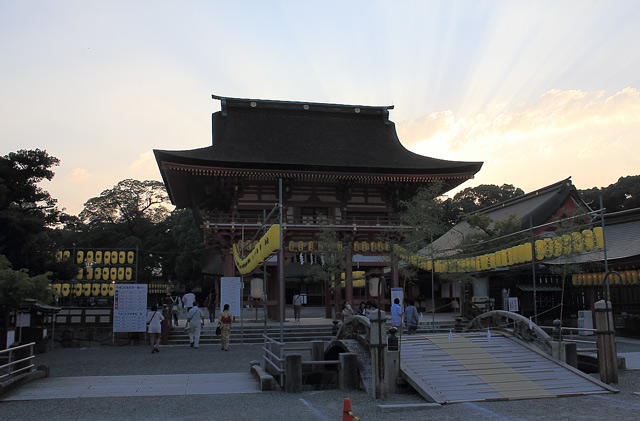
(340, 166)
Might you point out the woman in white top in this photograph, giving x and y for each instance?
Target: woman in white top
(154, 327)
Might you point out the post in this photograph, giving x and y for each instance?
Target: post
(317, 354)
(378, 344)
(607, 355)
(349, 379)
(293, 373)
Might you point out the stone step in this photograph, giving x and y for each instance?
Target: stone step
(253, 334)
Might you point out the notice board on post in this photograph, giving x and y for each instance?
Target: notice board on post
(130, 308)
(231, 293)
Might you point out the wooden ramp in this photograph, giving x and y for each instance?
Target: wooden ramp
(464, 367)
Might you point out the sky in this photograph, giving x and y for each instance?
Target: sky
(539, 91)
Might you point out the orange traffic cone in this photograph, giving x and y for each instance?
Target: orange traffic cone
(347, 414)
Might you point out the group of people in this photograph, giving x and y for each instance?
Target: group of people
(410, 316)
(195, 320)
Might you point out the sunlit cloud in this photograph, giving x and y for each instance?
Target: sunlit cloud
(145, 167)
(78, 175)
(588, 135)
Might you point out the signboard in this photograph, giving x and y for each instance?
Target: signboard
(231, 293)
(513, 304)
(130, 308)
(399, 294)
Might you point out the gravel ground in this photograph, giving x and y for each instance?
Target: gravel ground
(312, 405)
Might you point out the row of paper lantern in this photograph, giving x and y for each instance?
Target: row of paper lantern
(577, 242)
(121, 273)
(310, 246)
(627, 277)
(84, 289)
(266, 246)
(99, 257)
(358, 279)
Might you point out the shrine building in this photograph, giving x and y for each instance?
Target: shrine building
(328, 165)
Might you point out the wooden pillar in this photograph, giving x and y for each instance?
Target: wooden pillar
(273, 291)
(606, 337)
(328, 313)
(395, 276)
(229, 268)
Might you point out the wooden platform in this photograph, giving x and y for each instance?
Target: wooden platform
(468, 367)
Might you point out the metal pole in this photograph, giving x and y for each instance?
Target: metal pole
(241, 295)
(264, 280)
(604, 249)
(533, 271)
(281, 264)
(433, 294)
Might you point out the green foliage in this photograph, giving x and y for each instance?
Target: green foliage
(332, 261)
(133, 203)
(17, 285)
(473, 199)
(622, 195)
(492, 235)
(423, 216)
(26, 210)
(182, 244)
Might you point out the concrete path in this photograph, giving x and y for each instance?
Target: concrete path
(135, 386)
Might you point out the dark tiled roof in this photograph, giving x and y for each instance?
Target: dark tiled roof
(310, 137)
(537, 207)
(621, 234)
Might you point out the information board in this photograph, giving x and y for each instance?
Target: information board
(231, 293)
(130, 308)
(399, 294)
(513, 304)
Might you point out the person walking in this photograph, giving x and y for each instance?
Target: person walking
(411, 317)
(226, 319)
(195, 320)
(154, 327)
(297, 306)
(188, 300)
(175, 308)
(210, 303)
(396, 314)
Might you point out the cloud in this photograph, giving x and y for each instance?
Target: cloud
(145, 167)
(561, 133)
(78, 175)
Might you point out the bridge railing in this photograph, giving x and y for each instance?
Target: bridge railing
(16, 360)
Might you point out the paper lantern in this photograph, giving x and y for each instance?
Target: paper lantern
(599, 237)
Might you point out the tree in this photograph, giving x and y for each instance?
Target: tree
(423, 216)
(621, 195)
(333, 260)
(16, 285)
(133, 203)
(179, 247)
(26, 210)
(472, 199)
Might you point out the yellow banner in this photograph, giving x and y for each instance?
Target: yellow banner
(268, 244)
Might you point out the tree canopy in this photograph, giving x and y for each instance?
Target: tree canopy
(622, 195)
(26, 209)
